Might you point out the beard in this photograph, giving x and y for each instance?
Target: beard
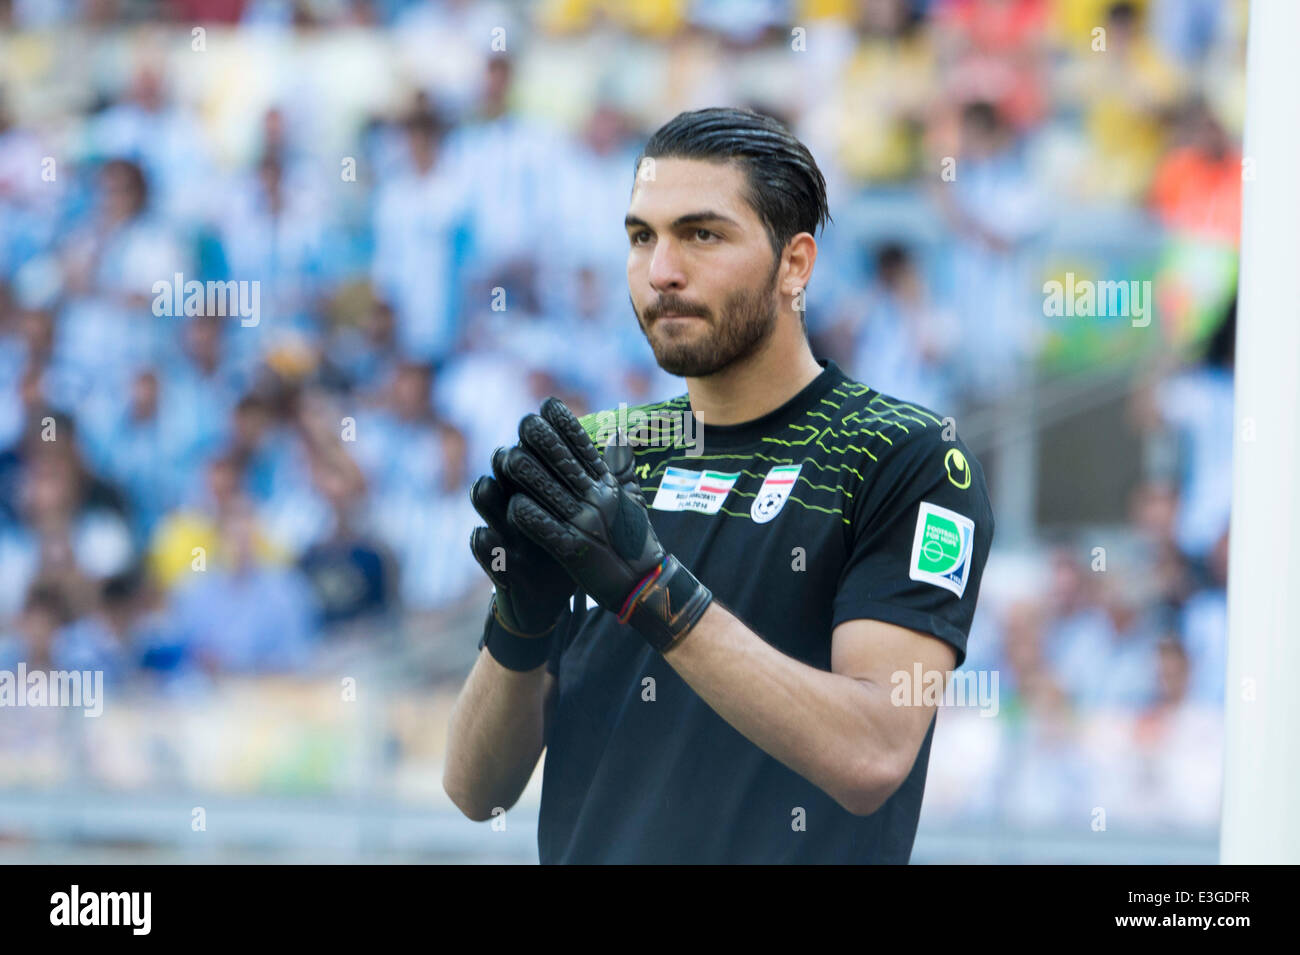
(746, 323)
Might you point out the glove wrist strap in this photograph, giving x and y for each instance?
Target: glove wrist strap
(667, 603)
(513, 650)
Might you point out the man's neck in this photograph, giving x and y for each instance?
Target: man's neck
(750, 389)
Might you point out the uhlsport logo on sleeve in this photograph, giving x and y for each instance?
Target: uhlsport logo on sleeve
(685, 490)
(942, 548)
(771, 497)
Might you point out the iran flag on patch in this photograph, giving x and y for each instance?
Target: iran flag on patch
(772, 495)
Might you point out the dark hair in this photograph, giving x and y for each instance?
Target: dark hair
(425, 123)
(785, 187)
(44, 596)
(120, 589)
(134, 176)
(1123, 13)
(891, 256)
(983, 115)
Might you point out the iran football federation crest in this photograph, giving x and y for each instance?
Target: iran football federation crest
(772, 495)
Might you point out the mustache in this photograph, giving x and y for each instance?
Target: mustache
(673, 306)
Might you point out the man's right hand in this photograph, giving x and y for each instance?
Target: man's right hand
(532, 590)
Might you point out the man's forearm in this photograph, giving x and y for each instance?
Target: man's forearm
(825, 726)
(495, 737)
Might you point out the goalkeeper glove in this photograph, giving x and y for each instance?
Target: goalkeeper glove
(532, 590)
(586, 511)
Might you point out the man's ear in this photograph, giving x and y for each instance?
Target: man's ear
(800, 257)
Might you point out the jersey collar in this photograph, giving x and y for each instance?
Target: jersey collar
(752, 432)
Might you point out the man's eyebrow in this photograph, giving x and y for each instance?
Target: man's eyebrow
(691, 218)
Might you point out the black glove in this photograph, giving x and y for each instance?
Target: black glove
(595, 524)
(532, 590)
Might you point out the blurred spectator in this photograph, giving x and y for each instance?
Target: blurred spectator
(901, 340)
(417, 217)
(1183, 775)
(505, 164)
(404, 446)
(997, 53)
(1108, 659)
(1043, 772)
(110, 267)
(163, 138)
(273, 234)
(353, 575)
(132, 454)
(189, 539)
(1127, 90)
(103, 639)
(886, 89)
(31, 639)
(993, 206)
(591, 185)
(67, 524)
(367, 351)
(244, 615)
(1196, 189)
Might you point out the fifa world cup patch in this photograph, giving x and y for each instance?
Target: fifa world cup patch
(771, 497)
(685, 490)
(942, 548)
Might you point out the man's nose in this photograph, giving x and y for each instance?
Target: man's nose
(666, 272)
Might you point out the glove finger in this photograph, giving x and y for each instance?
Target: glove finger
(575, 436)
(508, 486)
(537, 435)
(619, 458)
(558, 539)
(490, 500)
(534, 479)
(483, 543)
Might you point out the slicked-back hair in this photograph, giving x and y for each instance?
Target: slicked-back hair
(784, 185)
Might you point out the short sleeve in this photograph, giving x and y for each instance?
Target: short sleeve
(921, 529)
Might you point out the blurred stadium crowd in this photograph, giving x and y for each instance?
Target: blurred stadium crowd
(434, 228)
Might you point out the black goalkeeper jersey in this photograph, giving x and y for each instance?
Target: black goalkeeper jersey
(841, 504)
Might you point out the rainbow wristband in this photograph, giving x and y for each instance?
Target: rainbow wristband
(666, 604)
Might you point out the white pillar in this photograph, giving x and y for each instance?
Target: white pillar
(1261, 799)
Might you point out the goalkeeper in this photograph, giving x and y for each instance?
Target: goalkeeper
(728, 657)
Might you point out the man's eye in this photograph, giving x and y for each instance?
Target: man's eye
(704, 235)
(640, 238)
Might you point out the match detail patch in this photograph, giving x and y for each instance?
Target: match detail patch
(942, 548)
(771, 497)
(684, 490)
